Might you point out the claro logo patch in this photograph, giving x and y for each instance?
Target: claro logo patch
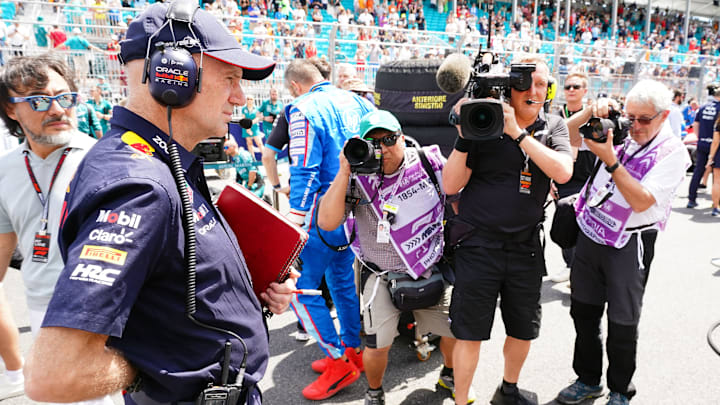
(103, 254)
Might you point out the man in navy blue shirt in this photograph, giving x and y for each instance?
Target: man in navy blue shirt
(703, 127)
(118, 315)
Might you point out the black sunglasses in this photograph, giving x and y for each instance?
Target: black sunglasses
(573, 86)
(387, 140)
(642, 120)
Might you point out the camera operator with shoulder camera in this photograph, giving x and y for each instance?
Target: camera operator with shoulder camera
(505, 181)
(619, 212)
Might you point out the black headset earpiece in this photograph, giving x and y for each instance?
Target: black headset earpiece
(174, 75)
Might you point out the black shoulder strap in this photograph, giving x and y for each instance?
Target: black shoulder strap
(429, 170)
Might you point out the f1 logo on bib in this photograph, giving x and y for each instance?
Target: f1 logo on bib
(120, 218)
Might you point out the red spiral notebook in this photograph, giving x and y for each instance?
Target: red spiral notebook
(269, 241)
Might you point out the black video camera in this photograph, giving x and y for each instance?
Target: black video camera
(482, 119)
(596, 128)
(365, 157)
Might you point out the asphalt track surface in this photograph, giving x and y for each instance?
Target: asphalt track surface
(675, 363)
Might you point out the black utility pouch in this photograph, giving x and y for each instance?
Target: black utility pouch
(408, 294)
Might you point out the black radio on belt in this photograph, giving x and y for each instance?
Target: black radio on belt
(224, 394)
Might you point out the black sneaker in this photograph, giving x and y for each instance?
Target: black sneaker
(374, 397)
(513, 398)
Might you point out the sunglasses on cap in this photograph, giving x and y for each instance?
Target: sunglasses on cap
(573, 86)
(387, 140)
(642, 120)
(43, 103)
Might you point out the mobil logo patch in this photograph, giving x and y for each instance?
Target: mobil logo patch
(119, 218)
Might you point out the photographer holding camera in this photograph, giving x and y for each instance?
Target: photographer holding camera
(387, 205)
(505, 182)
(619, 216)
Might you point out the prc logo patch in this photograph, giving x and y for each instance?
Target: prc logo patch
(137, 142)
(103, 254)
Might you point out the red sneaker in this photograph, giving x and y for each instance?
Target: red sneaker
(356, 358)
(319, 366)
(338, 375)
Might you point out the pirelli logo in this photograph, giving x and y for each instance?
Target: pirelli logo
(104, 254)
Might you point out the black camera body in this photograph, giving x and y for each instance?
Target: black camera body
(482, 119)
(364, 157)
(596, 128)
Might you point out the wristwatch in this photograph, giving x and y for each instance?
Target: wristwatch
(522, 136)
(612, 168)
(277, 186)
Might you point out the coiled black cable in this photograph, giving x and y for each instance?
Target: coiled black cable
(188, 224)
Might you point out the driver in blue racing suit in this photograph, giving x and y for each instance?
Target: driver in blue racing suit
(320, 120)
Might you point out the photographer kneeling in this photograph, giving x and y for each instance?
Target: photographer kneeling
(505, 182)
(619, 212)
(397, 213)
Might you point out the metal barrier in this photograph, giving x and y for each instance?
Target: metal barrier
(611, 70)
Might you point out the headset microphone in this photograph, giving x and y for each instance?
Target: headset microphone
(454, 73)
(530, 102)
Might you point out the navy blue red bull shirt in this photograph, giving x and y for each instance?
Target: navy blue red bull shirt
(123, 244)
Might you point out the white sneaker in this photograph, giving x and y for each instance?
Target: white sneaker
(8, 389)
(561, 276)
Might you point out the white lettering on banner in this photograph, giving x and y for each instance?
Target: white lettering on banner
(111, 237)
(120, 218)
(207, 227)
(422, 221)
(160, 143)
(607, 220)
(94, 274)
(414, 243)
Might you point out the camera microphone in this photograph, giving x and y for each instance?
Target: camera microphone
(531, 102)
(454, 73)
(245, 123)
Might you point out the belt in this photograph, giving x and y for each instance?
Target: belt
(141, 398)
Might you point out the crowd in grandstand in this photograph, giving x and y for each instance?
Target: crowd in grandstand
(376, 32)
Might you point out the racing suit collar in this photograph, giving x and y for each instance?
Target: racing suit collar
(128, 120)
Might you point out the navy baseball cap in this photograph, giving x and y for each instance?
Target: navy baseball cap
(215, 39)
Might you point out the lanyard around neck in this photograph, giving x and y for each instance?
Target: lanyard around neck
(44, 201)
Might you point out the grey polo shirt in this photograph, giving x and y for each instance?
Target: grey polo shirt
(21, 210)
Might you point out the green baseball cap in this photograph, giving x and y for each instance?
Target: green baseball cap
(378, 119)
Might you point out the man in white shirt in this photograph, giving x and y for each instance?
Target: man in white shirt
(619, 217)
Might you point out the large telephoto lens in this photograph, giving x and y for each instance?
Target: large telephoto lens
(358, 151)
(482, 120)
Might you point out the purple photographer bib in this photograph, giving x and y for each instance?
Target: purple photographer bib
(606, 224)
(417, 231)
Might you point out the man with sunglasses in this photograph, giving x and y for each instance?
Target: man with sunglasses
(576, 88)
(38, 97)
(386, 208)
(627, 201)
(504, 183)
(320, 119)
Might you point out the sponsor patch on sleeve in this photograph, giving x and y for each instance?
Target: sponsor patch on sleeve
(103, 254)
(137, 142)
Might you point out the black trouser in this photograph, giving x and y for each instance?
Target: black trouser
(601, 274)
(588, 354)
